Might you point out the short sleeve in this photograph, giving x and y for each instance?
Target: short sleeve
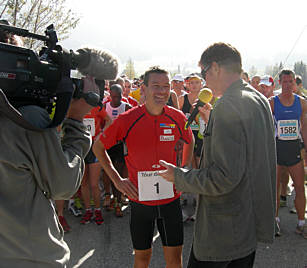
(114, 133)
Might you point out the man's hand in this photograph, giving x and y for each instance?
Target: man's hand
(79, 107)
(127, 188)
(167, 174)
(204, 112)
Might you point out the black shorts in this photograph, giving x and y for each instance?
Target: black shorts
(116, 153)
(288, 152)
(90, 157)
(169, 224)
(198, 144)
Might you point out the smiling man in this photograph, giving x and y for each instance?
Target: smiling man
(150, 132)
(236, 179)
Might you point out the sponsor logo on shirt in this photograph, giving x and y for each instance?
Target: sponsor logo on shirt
(156, 166)
(167, 131)
(167, 138)
(165, 125)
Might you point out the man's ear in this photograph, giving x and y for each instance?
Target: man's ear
(215, 67)
(143, 88)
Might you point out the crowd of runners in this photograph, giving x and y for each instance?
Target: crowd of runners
(228, 163)
(289, 109)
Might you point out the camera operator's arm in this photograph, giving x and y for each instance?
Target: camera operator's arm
(60, 165)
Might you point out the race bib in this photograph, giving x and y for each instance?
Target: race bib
(287, 130)
(153, 187)
(90, 125)
(194, 125)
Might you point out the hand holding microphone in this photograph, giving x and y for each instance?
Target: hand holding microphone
(204, 97)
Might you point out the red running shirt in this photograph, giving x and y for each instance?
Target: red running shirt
(148, 139)
(94, 120)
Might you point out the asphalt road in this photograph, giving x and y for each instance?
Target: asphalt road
(109, 245)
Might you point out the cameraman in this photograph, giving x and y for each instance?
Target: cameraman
(35, 167)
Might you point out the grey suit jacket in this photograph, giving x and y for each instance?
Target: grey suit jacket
(236, 181)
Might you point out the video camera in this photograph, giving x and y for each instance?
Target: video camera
(30, 79)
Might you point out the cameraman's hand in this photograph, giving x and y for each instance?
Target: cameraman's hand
(79, 107)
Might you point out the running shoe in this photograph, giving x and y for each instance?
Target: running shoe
(74, 210)
(87, 217)
(302, 230)
(98, 217)
(64, 224)
(277, 229)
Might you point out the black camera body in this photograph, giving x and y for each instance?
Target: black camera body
(25, 79)
(28, 78)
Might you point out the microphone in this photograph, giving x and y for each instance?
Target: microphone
(96, 63)
(101, 65)
(204, 96)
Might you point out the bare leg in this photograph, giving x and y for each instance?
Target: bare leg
(142, 258)
(173, 256)
(94, 176)
(297, 175)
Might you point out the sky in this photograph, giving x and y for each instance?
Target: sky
(174, 33)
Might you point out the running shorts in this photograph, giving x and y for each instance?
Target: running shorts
(169, 224)
(90, 157)
(288, 152)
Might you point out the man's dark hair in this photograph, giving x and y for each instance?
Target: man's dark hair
(154, 69)
(286, 72)
(298, 80)
(223, 54)
(116, 88)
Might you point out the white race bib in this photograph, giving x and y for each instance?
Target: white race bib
(153, 187)
(287, 130)
(90, 125)
(194, 125)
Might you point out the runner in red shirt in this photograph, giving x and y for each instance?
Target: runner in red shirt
(150, 132)
(94, 121)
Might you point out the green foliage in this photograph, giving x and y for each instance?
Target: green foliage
(274, 71)
(36, 15)
(129, 70)
(300, 68)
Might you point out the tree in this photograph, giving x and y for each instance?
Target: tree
(129, 70)
(252, 71)
(274, 71)
(300, 68)
(36, 15)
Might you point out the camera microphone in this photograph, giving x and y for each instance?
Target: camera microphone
(97, 63)
(204, 96)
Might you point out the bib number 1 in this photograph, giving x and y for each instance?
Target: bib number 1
(153, 187)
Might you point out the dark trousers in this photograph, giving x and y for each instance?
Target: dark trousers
(245, 262)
